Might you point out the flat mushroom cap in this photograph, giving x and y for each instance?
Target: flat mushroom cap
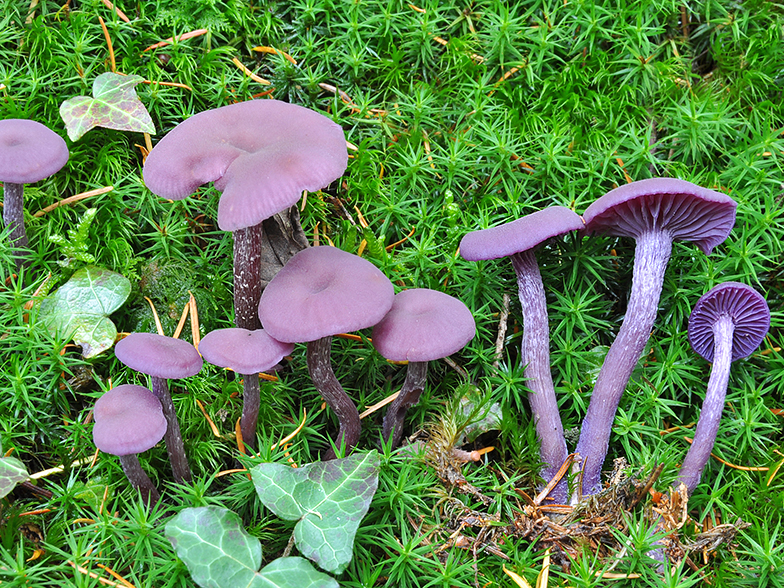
(519, 235)
(261, 154)
(423, 325)
(744, 305)
(689, 212)
(128, 420)
(244, 351)
(323, 291)
(29, 151)
(158, 356)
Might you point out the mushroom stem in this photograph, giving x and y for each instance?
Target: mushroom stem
(247, 276)
(708, 423)
(535, 356)
(250, 408)
(174, 445)
(416, 375)
(139, 478)
(320, 369)
(13, 217)
(650, 262)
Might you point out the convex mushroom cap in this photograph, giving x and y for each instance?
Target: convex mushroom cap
(29, 151)
(159, 356)
(244, 351)
(261, 154)
(423, 325)
(128, 420)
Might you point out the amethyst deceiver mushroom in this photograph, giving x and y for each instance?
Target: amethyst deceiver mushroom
(320, 292)
(728, 323)
(422, 325)
(246, 353)
(163, 358)
(129, 421)
(261, 154)
(29, 152)
(655, 212)
(517, 240)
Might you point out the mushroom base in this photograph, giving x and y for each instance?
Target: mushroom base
(416, 375)
(139, 478)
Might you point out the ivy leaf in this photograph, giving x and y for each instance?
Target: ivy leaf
(329, 499)
(80, 308)
(219, 553)
(12, 471)
(114, 105)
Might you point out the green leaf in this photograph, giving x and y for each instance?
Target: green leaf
(12, 471)
(219, 553)
(80, 308)
(329, 499)
(114, 105)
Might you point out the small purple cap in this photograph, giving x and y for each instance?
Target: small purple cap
(261, 154)
(520, 235)
(128, 420)
(158, 356)
(744, 305)
(687, 211)
(423, 325)
(29, 151)
(244, 351)
(323, 291)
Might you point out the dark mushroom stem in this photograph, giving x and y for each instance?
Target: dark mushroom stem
(320, 369)
(416, 376)
(251, 400)
(710, 416)
(535, 356)
(13, 217)
(139, 478)
(247, 279)
(173, 437)
(652, 253)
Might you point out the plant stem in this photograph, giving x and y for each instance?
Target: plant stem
(247, 276)
(416, 375)
(139, 478)
(174, 445)
(320, 369)
(535, 356)
(13, 217)
(650, 262)
(712, 407)
(250, 408)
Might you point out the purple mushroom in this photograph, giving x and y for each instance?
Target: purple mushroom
(128, 421)
(163, 358)
(517, 240)
(655, 213)
(323, 291)
(29, 152)
(728, 323)
(421, 326)
(247, 353)
(261, 155)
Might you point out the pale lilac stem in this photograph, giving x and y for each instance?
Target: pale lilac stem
(416, 375)
(708, 423)
(251, 400)
(535, 356)
(650, 262)
(13, 217)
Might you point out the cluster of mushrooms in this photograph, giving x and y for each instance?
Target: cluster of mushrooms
(262, 155)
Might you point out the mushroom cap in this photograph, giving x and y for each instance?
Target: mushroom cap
(423, 325)
(519, 235)
(687, 211)
(744, 305)
(158, 356)
(323, 291)
(29, 151)
(128, 419)
(244, 351)
(261, 154)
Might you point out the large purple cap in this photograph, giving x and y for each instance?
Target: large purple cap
(687, 211)
(159, 356)
(128, 420)
(261, 154)
(244, 351)
(323, 291)
(520, 235)
(744, 305)
(423, 325)
(29, 151)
